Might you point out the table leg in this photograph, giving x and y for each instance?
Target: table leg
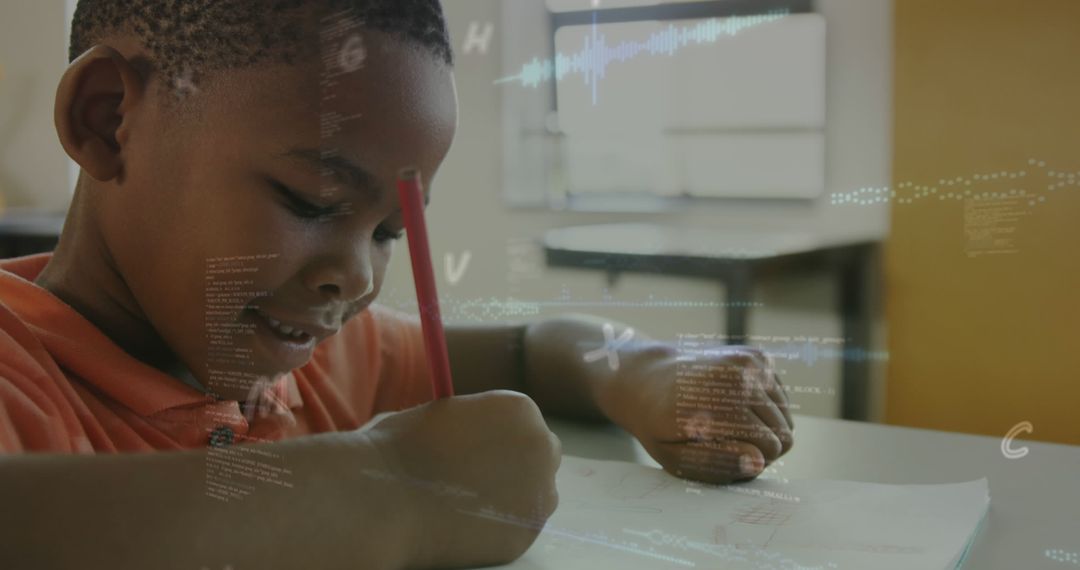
(855, 318)
(739, 291)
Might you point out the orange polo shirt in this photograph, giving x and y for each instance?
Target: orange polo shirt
(67, 388)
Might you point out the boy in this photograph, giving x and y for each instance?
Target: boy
(209, 304)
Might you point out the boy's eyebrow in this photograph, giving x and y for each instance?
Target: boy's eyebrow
(342, 169)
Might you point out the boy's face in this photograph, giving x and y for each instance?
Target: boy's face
(214, 226)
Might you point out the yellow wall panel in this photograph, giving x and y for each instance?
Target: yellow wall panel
(981, 341)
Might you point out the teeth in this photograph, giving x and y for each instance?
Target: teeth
(283, 329)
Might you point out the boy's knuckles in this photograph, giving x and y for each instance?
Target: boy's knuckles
(507, 396)
(554, 445)
(741, 357)
(542, 449)
(553, 500)
(771, 447)
(750, 378)
(513, 404)
(755, 354)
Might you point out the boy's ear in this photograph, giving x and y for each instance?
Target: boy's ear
(93, 106)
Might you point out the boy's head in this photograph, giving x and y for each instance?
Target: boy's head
(239, 161)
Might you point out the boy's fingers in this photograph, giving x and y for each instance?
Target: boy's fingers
(757, 421)
(756, 431)
(745, 426)
(716, 461)
(776, 391)
(757, 382)
(770, 381)
(769, 413)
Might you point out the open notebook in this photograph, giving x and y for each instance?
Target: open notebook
(628, 516)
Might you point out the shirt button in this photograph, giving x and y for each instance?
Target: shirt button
(221, 436)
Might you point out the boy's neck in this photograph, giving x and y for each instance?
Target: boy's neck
(81, 274)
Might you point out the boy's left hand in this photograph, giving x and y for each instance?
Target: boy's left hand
(716, 418)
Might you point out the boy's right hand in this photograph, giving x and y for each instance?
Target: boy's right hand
(478, 473)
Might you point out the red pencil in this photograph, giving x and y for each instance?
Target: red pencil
(411, 193)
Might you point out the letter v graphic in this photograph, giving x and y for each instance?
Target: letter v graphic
(454, 274)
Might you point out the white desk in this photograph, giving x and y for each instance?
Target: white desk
(1034, 500)
(738, 260)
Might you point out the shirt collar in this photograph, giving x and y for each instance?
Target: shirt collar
(81, 349)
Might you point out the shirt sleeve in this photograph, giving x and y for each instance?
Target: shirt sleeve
(404, 375)
(24, 426)
(28, 419)
(9, 437)
(33, 414)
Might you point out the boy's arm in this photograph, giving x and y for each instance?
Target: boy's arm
(151, 510)
(546, 360)
(721, 417)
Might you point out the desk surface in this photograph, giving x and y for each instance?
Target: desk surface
(1034, 500)
(706, 243)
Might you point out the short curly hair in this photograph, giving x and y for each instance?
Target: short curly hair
(209, 35)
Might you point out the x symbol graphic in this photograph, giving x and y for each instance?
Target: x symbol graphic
(611, 346)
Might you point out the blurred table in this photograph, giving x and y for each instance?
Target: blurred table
(737, 260)
(25, 231)
(1034, 503)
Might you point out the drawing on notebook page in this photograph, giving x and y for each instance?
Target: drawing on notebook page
(626, 516)
(772, 513)
(638, 485)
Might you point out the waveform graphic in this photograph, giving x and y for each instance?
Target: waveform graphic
(594, 58)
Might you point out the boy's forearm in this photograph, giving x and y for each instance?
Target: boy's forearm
(152, 510)
(559, 377)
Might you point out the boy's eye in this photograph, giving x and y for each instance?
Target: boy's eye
(383, 235)
(301, 207)
(307, 210)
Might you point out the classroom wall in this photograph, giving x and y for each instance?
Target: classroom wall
(33, 54)
(981, 343)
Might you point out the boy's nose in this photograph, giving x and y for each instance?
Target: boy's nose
(345, 280)
(350, 289)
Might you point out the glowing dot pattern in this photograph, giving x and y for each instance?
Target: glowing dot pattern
(967, 188)
(1058, 555)
(495, 309)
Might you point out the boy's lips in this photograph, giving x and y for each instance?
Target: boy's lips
(296, 327)
(287, 344)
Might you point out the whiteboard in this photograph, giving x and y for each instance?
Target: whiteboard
(734, 115)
